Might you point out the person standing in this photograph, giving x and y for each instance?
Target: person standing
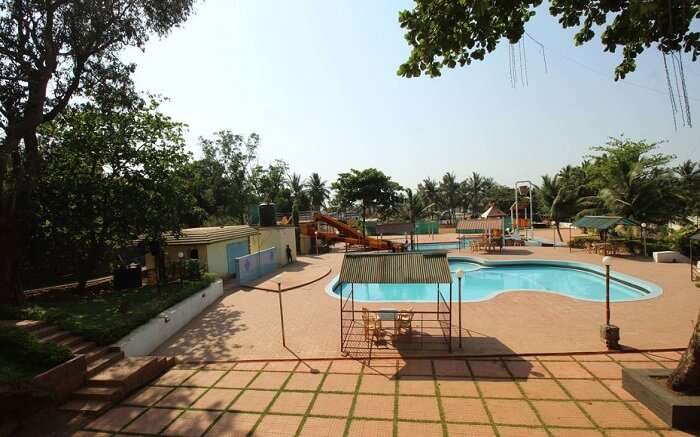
(290, 259)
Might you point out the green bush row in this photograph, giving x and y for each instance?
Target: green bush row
(23, 356)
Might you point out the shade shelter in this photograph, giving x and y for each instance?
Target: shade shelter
(394, 268)
(603, 223)
(490, 228)
(694, 274)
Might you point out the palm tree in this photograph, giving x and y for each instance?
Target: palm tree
(296, 186)
(412, 209)
(475, 189)
(552, 194)
(449, 193)
(688, 174)
(317, 191)
(428, 189)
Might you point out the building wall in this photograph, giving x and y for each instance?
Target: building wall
(216, 255)
(278, 237)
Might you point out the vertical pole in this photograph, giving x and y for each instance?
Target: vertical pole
(279, 295)
(352, 297)
(570, 240)
(340, 294)
(691, 260)
(449, 339)
(607, 295)
(459, 282)
(438, 298)
(644, 239)
(532, 221)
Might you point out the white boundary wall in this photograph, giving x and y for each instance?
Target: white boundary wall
(147, 337)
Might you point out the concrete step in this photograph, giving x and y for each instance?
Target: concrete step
(31, 325)
(86, 406)
(55, 337)
(103, 361)
(81, 347)
(70, 341)
(45, 330)
(129, 373)
(95, 353)
(102, 394)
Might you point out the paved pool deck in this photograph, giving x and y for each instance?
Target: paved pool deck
(245, 323)
(564, 396)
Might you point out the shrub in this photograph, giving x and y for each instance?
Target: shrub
(23, 356)
(579, 242)
(191, 270)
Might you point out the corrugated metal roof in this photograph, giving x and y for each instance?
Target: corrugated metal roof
(603, 222)
(396, 268)
(194, 236)
(480, 224)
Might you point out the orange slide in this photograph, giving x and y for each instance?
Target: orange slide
(349, 235)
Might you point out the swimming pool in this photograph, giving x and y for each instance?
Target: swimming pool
(423, 247)
(485, 279)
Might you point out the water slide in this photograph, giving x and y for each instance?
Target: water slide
(350, 235)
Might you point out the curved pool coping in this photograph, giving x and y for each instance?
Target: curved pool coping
(648, 290)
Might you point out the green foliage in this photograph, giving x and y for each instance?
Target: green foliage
(99, 319)
(633, 181)
(112, 172)
(371, 188)
(22, 356)
(191, 270)
(445, 33)
(317, 191)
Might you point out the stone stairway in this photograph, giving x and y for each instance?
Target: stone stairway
(109, 376)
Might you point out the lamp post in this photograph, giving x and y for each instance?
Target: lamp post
(316, 234)
(460, 275)
(278, 280)
(554, 234)
(609, 333)
(644, 239)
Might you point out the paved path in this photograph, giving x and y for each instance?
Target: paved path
(245, 323)
(567, 396)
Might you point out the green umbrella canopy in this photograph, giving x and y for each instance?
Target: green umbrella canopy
(603, 222)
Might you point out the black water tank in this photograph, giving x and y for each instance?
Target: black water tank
(267, 214)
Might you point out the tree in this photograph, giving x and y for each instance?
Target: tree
(225, 169)
(268, 184)
(51, 51)
(450, 194)
(447, 33)
(317, 191)
(296, 186)
(370, 188)
(429, 190)
(413, 209)
(633, 181)
(111, 174)
(554, 197)
(474, 190)
(688, 174)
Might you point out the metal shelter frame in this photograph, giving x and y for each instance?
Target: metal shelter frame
(372, 268)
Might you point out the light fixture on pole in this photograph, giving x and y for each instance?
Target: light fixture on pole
(460, 275)
(316, 234)
(278, 280)
(554, 234)
(608, 332)
(644, 238)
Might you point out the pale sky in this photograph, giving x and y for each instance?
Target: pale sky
(317, 80)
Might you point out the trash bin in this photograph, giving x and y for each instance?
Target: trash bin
(125, 277)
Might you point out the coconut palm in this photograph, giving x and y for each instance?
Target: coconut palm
(688, 174)
(413, 208)
(475, 189)
(296, 186)
(557, 200)
(317, 191)
(449, 193)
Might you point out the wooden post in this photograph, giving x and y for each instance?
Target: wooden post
(459, 282)
(279, 295)
(449, 339)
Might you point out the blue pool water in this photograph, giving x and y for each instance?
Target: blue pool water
(483, 281)
(422, 247)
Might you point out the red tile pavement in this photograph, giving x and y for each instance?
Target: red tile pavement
(241, 325)
(427, 404)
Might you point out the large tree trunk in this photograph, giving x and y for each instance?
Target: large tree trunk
(686, 377)
(559, 232)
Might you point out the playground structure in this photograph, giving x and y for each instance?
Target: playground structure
(343, 232)
(522, 225)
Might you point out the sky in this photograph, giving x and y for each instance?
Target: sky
(317, 81)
